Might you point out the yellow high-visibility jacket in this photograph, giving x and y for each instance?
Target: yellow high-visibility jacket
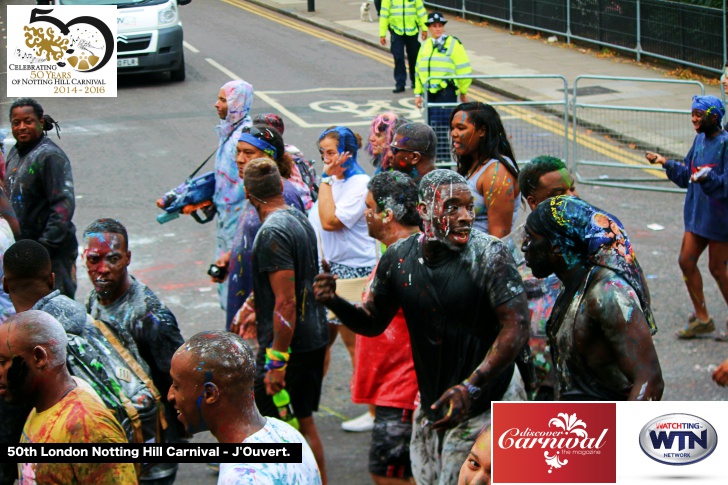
(404, 17)
(448, 60)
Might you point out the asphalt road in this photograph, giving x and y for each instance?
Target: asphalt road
(129, 150)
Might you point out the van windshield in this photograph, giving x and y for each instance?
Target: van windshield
(118, 3)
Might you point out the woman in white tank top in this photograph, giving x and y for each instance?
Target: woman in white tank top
(485, 158)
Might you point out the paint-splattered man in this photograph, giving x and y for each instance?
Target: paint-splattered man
(291, 325)
(414, 148)
(212, 389)
(143, 324)
(467, 315)
(39, 182)
(66, 410)
(600, 329)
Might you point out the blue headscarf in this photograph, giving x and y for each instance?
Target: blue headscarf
(347, 143)
(260, 144)
(709, 104)
(591, 236)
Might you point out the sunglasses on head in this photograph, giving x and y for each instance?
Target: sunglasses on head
(264, 133)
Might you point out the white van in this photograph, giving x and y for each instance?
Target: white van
(149, 35)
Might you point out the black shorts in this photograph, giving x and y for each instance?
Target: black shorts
(304, 376)
(389, 454)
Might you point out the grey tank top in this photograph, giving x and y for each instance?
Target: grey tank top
(481, 211)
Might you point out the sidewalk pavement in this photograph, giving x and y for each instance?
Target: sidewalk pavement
(493, 50)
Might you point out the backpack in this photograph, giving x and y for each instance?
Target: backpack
(308, 174)
(98, 357)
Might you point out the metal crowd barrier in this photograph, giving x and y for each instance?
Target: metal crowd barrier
(603, 136)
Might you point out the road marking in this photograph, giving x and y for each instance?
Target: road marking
(297, 25)
(272, 102)
(615, 153)
(190, 47)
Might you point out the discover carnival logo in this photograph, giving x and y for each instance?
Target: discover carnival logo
(63, 51)
(562, 443)
(678, 439)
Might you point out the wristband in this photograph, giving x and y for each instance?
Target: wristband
(473, 391)
(275, 359)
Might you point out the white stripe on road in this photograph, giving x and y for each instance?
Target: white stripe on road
(189, 47)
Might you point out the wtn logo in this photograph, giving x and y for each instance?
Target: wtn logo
(665, 439)
(678, 439)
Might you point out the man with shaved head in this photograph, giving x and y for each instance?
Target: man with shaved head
(212, 389)
(65, 410)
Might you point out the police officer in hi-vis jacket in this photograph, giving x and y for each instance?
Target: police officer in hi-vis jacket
(441, 55)
(404, 19)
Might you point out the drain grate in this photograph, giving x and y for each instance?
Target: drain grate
(591, 91)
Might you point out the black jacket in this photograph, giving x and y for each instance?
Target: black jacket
(39, 182)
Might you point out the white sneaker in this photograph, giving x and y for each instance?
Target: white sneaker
(363, 423)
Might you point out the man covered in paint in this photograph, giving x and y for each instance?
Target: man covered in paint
(233, 107)
(414, 148)
(704, 172)
(65, 410)
(292, 328)
(384, 373)
(142, 323)
(39, 182)
(212, 390)
(601, 324)
(541, 178)
(467, 316)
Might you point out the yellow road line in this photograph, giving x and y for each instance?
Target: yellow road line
(539, 121)
(335, 39)
(332, 412)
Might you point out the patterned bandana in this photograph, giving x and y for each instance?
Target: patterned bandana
(591, 236)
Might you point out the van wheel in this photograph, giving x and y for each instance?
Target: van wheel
(178, 75)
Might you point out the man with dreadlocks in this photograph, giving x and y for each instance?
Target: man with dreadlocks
(39, 182)
(467, 316)
(601, 324)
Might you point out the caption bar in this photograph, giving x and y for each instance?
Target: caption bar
(153, 453)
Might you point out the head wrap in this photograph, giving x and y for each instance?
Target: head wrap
(593, 237)
(239, 96)
(271, 119)
(257, 137)
(347, 143)
(709, 104)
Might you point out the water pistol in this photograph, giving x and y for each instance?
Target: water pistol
(193, 195)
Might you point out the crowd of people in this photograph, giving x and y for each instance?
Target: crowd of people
(443, 303)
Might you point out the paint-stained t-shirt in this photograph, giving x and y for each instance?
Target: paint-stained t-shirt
(286, 241)
(706, 204)
(274, 431)
(449, 308)
(149, 330)
(80, 417)
(240, 279)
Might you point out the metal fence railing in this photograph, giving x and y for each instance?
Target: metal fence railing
(691, 35)
(518, 120)
(609, 141)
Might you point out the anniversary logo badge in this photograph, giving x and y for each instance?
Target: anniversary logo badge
(554, 442)
(61, 51)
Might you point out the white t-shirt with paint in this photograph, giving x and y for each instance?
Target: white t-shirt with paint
(274, 431)
(351, 245)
